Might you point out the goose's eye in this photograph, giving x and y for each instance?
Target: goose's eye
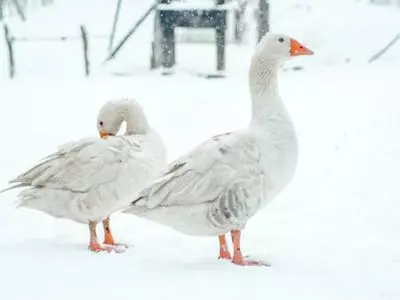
(101, 123)
(281, 40)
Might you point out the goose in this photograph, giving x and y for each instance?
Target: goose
(222, 183)
(89, 179)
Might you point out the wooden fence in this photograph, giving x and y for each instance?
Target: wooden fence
(83, 37)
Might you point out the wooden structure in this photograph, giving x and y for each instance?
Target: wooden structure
(169, 16)
(262, 18)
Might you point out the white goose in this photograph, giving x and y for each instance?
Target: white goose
(89, 179)
(218, 186)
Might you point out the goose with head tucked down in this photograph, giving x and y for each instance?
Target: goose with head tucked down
(89, 179)
(218, 186)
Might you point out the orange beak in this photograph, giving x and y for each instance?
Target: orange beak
(104, 135)
(297, 49)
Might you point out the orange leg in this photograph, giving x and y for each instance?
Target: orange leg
(108, 237)
(223, 248)
(238, 258)
(94, 243)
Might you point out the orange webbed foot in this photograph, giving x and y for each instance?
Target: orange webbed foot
(96, 247)
(109, 240)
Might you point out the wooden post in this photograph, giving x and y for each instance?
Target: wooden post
(114, 27)
(85, 49)
(239, 22)
(156, 44)
(9, 42)
(220, 48)
(168, 44)
(263, 18)
(1, 9)
(167, 36)
(220, 36)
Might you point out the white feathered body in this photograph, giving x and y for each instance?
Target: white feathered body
(91, 178)
(223, 182)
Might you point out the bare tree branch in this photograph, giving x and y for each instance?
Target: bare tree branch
(384, 49)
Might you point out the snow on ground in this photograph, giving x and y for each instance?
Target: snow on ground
(334, 233)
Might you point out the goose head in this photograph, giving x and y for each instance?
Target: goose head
(114, 113)
(271, 52)
(280, 47)
(109, 119)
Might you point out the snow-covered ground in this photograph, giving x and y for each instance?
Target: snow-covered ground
(334, 233)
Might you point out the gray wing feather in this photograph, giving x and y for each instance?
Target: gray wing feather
(77, 166)
(204, 174)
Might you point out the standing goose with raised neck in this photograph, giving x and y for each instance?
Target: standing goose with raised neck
(89, 179)
(217, 187)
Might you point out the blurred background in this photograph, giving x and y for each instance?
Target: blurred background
(46, 37)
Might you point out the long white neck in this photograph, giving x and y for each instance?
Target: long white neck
(267, 106)
(278, 139)
(136, 121)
